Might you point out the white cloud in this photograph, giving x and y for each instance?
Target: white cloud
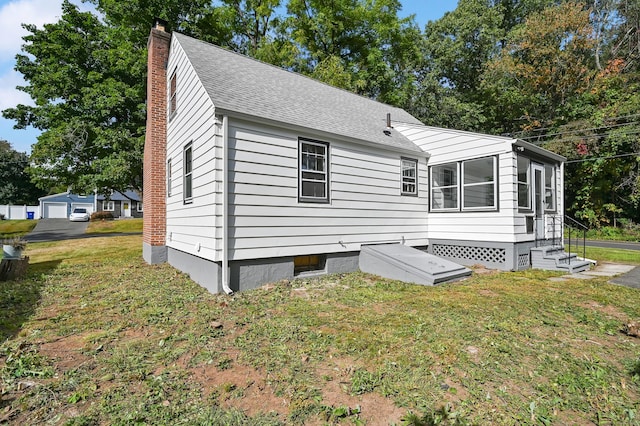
(17, 12)
(9, 95)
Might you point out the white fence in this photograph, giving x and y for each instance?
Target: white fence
(20, 212)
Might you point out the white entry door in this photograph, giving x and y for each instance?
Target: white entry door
(126, 209)
(538, 201)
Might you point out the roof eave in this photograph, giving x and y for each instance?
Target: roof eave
(321, 133)
(522, 146)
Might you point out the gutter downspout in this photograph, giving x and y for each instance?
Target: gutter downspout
(225, 205)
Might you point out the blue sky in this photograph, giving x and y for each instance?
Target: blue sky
(39, 12)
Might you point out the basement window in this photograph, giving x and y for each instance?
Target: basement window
(306, 264)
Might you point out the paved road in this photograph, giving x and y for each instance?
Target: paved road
(626, 245)
(56, 230)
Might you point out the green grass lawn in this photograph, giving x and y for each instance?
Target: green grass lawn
(115, 226)
(16, 228)
(96, 336)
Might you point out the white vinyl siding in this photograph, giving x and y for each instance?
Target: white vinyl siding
(268, 220)
(193, 227)
(451, 147)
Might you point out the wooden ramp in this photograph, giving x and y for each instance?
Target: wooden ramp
(404, 263)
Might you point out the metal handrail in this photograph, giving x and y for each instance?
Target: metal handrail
(571, 223)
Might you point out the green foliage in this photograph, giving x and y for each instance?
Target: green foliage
(16, 187)
(101, 215)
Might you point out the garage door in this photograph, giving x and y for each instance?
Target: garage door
(54, 210)
(87, 206)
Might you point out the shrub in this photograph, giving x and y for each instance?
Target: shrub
(101, 216)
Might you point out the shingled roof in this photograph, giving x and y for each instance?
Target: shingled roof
(239, 84)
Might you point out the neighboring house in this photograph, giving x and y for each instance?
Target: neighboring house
(254, 174)
(60, 206)
(121, 205)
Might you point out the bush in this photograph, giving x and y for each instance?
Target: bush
(1, 216)
(101, 216)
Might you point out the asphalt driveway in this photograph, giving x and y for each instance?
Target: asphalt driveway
(56, 230)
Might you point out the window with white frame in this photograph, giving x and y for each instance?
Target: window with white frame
(139, 206)
(444, 187)
(313, 171)
(479, 184)
(549, 188)
(187, 178)
(524, 183)
(472, 181)
(169, 177)
(173, 102)
(409, 176)
(108, 206)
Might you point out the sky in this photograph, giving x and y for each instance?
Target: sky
(39, 12)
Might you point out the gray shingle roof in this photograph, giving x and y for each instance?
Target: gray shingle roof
(240, 84)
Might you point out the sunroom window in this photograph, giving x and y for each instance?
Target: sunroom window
(524, 183)
(549, 188)
(313, 171)
(479, 188)
(444, 187)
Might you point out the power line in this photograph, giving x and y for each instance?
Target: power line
(602, 158)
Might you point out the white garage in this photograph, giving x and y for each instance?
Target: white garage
(54, 210)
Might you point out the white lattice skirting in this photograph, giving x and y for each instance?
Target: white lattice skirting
(493, 255)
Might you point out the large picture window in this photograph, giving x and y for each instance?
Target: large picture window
(187, 192)
(479, 188)
(524, 183)
(444, 187)
(313, 177)
(472, 181)
(409, 177)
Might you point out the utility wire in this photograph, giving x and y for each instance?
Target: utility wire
(602, 158)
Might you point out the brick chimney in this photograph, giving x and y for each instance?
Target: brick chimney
(154, 248)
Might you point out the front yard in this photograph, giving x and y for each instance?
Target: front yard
(96, 336)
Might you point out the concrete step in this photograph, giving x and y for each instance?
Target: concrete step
(554, 258)
(404, 263)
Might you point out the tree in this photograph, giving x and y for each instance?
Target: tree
(359, 45)
(16, 187)
(547, 64)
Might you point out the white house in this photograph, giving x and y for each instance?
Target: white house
(254, 174)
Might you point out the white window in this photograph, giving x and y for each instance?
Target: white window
(549, 188)
(479, 185)
(313, 171)
(187, 180)
(524, 183)
(139, 206)
(472, 181)
(108, 206)
(169, 177)
(409, 177)
(444, 187)
(173, 105)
